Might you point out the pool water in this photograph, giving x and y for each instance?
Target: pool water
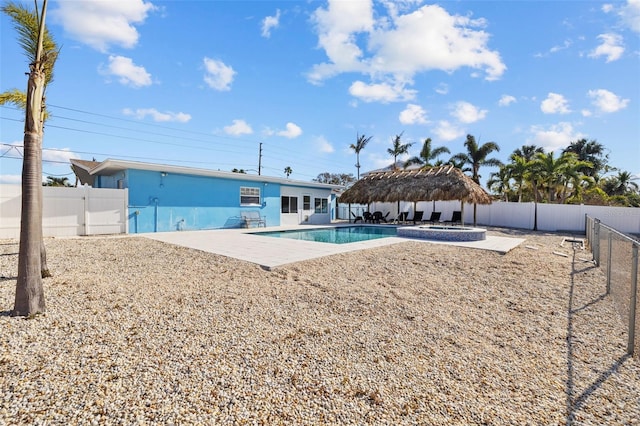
(340, 235)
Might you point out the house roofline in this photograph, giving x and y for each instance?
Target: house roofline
(111, 166)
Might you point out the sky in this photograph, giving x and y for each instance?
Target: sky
(241, 84)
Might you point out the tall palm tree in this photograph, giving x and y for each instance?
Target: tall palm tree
(398, 149)
(287, 171)
(41, 51)
(361, 142)
(572, 179)
(621, 184)
(590, 151)
(550, 171)
(500, 182)
(427, 155)
(528, 152)
(517, 170)
(476, 156)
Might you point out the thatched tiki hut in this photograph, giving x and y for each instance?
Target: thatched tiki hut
(444, 183)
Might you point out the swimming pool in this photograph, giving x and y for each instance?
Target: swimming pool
(339, 235)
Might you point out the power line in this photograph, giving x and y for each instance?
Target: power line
(299, 161)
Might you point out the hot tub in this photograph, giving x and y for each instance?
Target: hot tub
(443, 233)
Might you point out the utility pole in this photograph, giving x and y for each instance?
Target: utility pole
(260, 159)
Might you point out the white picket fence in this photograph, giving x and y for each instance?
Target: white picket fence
(551, 217)
(68, 211)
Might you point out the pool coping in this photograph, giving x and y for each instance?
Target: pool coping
(270, 253)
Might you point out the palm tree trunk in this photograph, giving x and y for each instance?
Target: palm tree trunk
(29, 290)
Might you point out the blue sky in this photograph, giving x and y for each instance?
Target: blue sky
(203, 83)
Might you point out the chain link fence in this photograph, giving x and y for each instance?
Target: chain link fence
(617, 254)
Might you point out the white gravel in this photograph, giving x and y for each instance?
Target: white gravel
(143, 332)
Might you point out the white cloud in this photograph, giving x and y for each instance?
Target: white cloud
(606, 8)
(218, 76)
(631, 15)
(611, 47)
(555, 137)
(465, 112)
(413, 114)
(269, 23)
(127, 73)
(292, 131)
(555, 104)
(58, 155)
(141, 113)
(100, 24)
(506, 100)
(442, 89)
(447, 131)
(238, 127)
(586, 113)
(607, 101)
(397, 45)
(380, 92)
(323, 145)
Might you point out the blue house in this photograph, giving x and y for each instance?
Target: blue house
(174, 198)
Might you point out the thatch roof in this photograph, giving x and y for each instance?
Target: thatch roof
(436, 183)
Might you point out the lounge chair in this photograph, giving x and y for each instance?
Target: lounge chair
(456, 217)
(435, 217)
(401, 217)
(378, 217)
(417, 217)
(368, 217)
(253, 217)
(356, 218)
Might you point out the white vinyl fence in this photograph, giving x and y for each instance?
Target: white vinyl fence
(551, 217)
(68, 211)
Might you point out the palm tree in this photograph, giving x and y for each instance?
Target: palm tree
(427, 155)
(528, 152)
(288, 171)
(41, 51)
(55, 181)
(500, 182)
(398, 149)
(572, 179)
(621, 184)
(517, 170)
(361, 142)
(590, 151)
(476, 156)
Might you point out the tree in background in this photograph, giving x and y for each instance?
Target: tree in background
(361, 142)
(42, 53)
(427, 155)
(56, 181)
(398, 149)
(343, 179)
(592, 152)
(476, 156)
(528, 152)
(235, 170)
(288, 171)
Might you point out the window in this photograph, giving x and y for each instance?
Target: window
(306, 202)
(289, 204)
(321, 205)
(249, 196)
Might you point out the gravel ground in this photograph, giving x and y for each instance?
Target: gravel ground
(142, 332)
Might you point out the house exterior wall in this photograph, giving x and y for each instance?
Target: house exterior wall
(161, 202)
(308, 215)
